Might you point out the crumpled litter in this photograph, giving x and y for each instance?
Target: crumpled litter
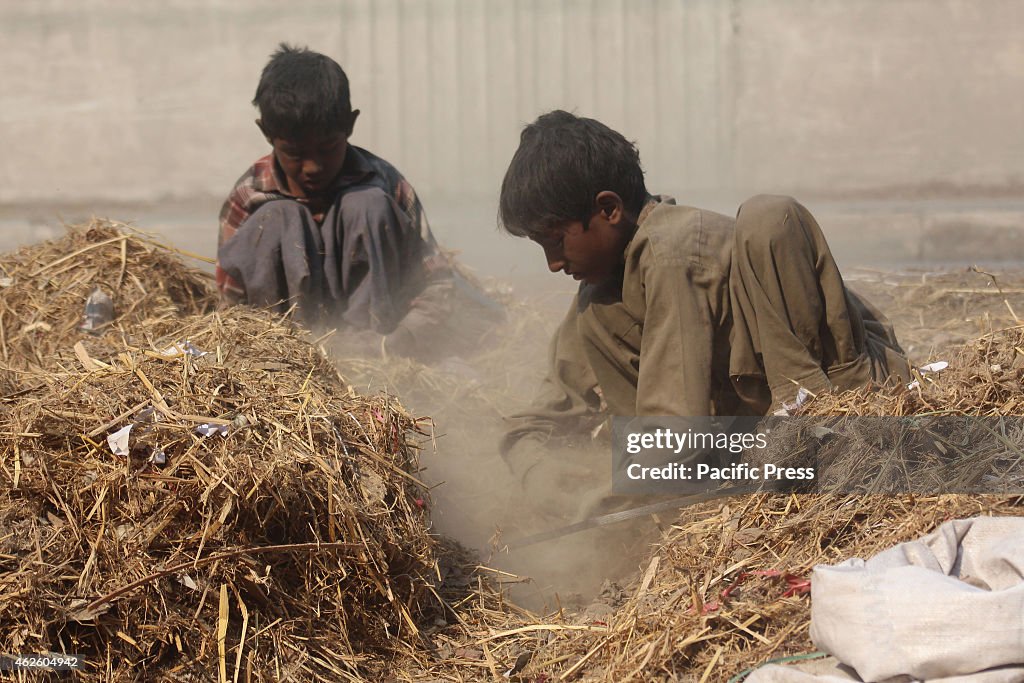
(207, 429)
(185, 348)
(118, 441)
(788, 408)
(937, 366)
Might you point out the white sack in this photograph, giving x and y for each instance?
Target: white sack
(945, 606)
(829, 671)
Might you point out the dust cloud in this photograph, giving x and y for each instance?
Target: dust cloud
(476, 499)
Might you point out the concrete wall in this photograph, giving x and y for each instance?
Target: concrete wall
(122, 100)
(850, 95)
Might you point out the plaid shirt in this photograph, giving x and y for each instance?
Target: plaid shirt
(264, 182)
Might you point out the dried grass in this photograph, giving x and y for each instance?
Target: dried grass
(984, 377)
(44, 287)
(303, 532)
(296, 546)
(726, 587)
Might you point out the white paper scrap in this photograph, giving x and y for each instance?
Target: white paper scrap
(186, 348)
(206, 429)
(787, 409)
(937, 366)
(118, 441)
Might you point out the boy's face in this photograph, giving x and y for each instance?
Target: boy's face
(311, 162)
(594, 252)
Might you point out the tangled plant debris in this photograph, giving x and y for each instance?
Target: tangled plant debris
(200, 495)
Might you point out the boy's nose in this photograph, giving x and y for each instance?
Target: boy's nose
(556, 261)
(556, 265)
(311, 167)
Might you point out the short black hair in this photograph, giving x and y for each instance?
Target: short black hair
(302, 92)
(562, 163)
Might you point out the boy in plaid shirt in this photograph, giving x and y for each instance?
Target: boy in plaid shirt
(330, 228)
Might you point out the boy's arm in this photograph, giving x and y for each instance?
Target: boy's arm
(676, 355)
(567, 398)
(416, 333)
(396, 287)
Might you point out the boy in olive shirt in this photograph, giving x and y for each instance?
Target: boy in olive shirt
(680, 311)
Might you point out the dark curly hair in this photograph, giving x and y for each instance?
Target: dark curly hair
(562, 163)
(301, 93)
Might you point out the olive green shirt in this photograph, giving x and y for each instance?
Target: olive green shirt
(686, 331)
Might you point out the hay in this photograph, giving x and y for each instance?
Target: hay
(726, 589)
(710, 600)
(44, 287)
(984, 377)
(953, 431)
(746, 567)
(296, 545)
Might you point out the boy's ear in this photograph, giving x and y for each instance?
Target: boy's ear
(351, 123)
(259, 124)
(610, 205)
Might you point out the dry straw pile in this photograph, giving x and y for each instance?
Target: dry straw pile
(953, 431)
(257, 521)
(983, 378)
(936, 310)
(43, 289)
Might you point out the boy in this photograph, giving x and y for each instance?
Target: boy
(680, 312)
(330, 228)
